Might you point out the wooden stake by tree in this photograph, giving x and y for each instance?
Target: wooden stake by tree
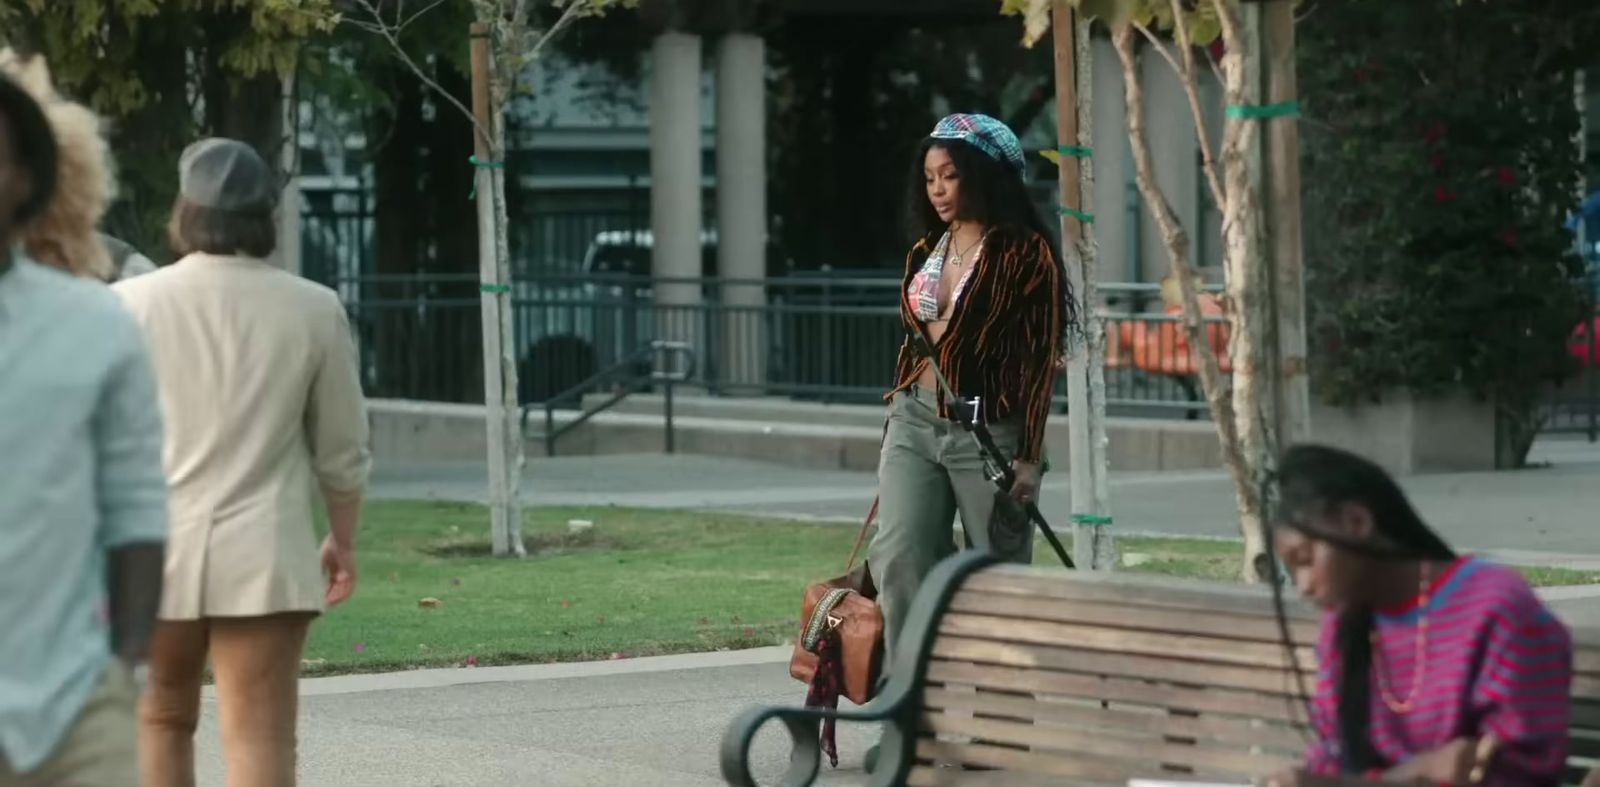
(1091, 505)
(504, 44)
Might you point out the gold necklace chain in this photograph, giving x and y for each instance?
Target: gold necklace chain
(1420, 666)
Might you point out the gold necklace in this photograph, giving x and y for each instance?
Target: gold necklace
(959, 256)
(1419, 668)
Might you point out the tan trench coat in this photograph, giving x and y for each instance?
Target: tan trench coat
(262, 405)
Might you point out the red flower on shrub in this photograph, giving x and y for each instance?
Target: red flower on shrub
(1443, 194)
(1434, 133)
(1437, 160)
(1508, 235)
(1506, 175)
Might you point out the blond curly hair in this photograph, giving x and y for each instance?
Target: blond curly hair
(65, 235)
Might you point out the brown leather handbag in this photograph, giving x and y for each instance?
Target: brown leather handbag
(840, 649)
(845, 607)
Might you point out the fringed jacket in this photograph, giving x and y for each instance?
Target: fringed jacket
(1004, 337)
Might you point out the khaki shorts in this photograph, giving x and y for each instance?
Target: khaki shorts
(101, 747)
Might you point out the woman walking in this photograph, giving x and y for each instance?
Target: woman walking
(262, 404)
(1434, 667)
(985, 288)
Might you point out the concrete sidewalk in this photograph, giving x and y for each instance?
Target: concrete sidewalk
(1550, 509)
(655, 721)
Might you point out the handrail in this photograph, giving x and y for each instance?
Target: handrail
(656, 351)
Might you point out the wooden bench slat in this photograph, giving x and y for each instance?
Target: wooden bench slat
(1101, 663)
(1198, 648)
(1185, 621)
(1147, 753)
(1586, 686)
(1132, 755)
(1119, 691)
(931, 776)
(1136, 590)
(1118, 721)
(1017, 763)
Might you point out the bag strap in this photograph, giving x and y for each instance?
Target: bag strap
(872, 514)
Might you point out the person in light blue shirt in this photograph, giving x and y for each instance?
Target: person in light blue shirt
(83, 517)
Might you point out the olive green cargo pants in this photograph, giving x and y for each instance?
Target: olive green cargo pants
(929, 469)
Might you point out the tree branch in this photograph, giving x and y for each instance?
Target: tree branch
(1186, 75)
(1161, 48)
(1174, 238)
(392, 36)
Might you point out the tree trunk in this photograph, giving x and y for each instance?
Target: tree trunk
(501, 416)
(1091, 514)
(1244, 263)
(1235, 450)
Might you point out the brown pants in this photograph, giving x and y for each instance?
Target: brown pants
(98, 750)
(257, 666)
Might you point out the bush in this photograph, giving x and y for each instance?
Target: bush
(1440, 159)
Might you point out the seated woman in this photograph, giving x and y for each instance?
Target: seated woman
(1433, 667)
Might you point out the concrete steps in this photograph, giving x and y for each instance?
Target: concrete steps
(800, 434)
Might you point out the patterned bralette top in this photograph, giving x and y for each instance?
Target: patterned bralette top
(923, 293)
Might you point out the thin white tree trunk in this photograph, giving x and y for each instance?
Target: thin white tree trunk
(1105, 550)
(1245, 266)
(1091, 537)
(501, 414)
(510, 408)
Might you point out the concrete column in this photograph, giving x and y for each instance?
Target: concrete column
(675, 176)
(742, 206)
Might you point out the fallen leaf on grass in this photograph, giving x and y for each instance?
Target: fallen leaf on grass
(359, 646)
(472, 661)
(601, 619)
(430, 603)
(703, 622)
(565, 603)
(749, 632)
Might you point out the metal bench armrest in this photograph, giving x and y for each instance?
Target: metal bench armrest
(897, 703)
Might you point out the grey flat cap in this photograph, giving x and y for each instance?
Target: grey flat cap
(225, 174)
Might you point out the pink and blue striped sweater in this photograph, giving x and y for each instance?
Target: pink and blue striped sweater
(1497, 661)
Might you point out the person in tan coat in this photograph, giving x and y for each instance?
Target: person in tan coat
(263, 407)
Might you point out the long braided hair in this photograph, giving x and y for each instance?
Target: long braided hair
(1314, 480)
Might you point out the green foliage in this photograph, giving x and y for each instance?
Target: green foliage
(141, 63)
(1436, 180)
(1200, 18)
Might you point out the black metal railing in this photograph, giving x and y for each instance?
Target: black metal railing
(816, 337)
(623, 379)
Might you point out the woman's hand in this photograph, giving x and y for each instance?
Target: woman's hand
(1451, 763)
(339, 566)
(1301, 778)
(1025, 487)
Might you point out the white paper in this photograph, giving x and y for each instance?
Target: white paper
(1159, 783)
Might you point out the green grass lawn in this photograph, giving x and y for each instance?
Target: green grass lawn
(639, 583)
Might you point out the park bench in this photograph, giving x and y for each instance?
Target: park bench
(1014, 675)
